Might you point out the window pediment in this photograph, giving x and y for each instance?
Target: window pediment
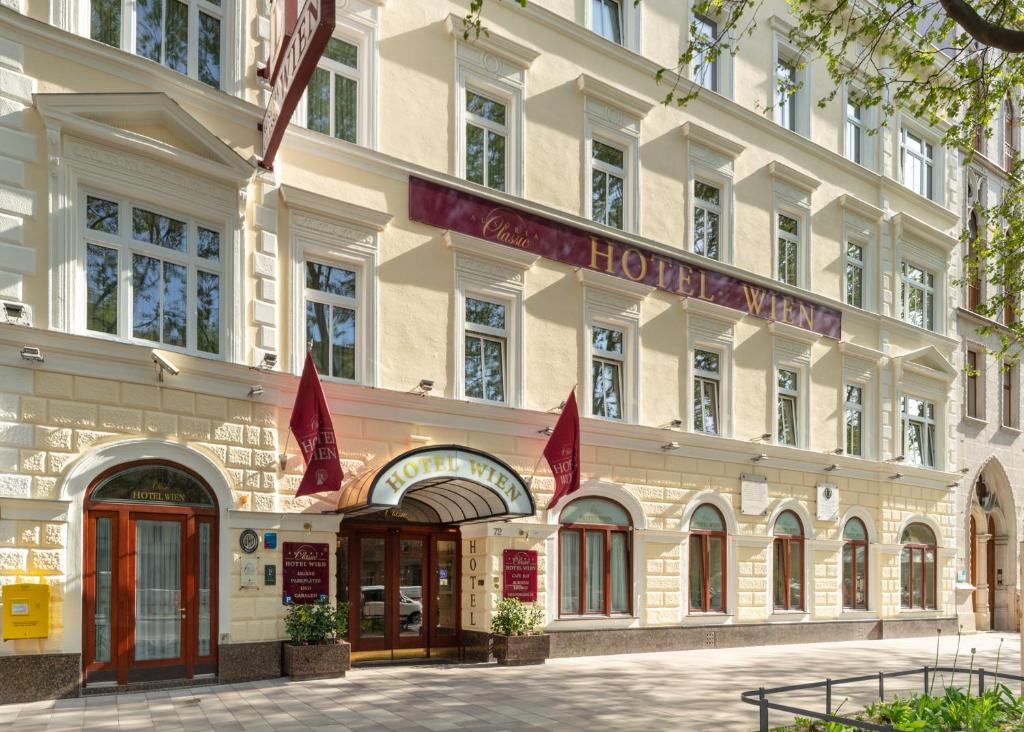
(928, 362)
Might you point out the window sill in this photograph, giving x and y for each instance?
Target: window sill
(906, 612)
(849, 614)
(1009, 430)
(976, 421)
(789, 616)
(578, 618)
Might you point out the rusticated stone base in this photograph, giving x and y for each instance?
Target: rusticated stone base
(239, 662)
(41, 676)
(317, 662)
(521, 650)
(476, 647)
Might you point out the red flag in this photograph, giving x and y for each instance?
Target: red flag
(311, 424)
(563, 450)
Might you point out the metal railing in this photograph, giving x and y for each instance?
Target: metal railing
(759, 697)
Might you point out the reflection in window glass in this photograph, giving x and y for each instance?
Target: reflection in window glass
(101, 286)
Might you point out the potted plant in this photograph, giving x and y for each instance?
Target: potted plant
(515, 638)
(316, 648)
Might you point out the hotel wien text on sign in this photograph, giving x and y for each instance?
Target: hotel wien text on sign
(519, 574)
(306, 569)
(466, 213)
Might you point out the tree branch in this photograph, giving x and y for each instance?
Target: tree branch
(985, 31)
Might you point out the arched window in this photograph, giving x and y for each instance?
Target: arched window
(917, 568)
(855, 565)
(1009, 133)
(594, 558)
(707, 560)
(788, 564)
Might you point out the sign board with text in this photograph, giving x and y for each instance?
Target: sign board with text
(753, 495)
(306, 569)
(828, 502)
(292, 65)
(519, 574)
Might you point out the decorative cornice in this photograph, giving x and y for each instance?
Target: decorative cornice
(904, 223)
(634, 291)
(473, 247)
(849, 348)
(792, 176)
(785, 330)
(599, 90)
(703, 136)
(491, 42)
(854, 205)
(332, 208)
(696, 306)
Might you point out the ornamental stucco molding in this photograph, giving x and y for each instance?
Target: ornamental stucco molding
(332, 230)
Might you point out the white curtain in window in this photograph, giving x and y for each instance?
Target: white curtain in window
(570, 572)
(595, 572)
(620, 574)
(157, 590)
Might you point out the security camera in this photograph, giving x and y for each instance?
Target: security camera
(164, 365)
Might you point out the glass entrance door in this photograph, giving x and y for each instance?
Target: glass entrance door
(159, 606)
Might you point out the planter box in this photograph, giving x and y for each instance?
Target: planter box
(316, 662)
(520, 650)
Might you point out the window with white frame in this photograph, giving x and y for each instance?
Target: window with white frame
(853, 419)
(917, 296)
(854, 132)
(707, 219)
(184, 36)
(786, 91)
(331, 318)
(854, 274)
(152, 276)
(704, 68)
(606, 19)
(918, 430)
(974, 380)
(607, 366)
(486, 155)
(917, 163)
(706, 381)
(607, 184)
(485, 350)
(788, 395)
(1009, 392)
(788, 249)
(332, 96)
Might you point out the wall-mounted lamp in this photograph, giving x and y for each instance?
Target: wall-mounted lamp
(308, 527)
(670, 445)
(425, 386)
(896, 476)
(256, 390)
(763, 438)
(267, 363)
(833, 467)
(15, 312)
(546, 431)
(675, 424)
(897, 459)
(839, 451)
(31, 353)
(759, 458)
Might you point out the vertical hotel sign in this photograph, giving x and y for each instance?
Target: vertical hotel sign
(294, 57)
(457, 210)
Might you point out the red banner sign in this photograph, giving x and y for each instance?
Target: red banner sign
(306, 570)
(520, 574)
(450, 208)
(282, 24)
(293, 67)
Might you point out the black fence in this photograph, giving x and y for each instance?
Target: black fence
(760, 697)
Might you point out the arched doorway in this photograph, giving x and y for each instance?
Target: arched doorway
(149, 575)
(992, 551)
(399, 547)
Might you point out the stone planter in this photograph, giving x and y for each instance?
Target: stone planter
(520, 650)
(316, 662)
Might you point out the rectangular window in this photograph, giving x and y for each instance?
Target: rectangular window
(853, 409)
(332, 95)
(707, 219)
(607, 184)
(331, 317)
(1009, 378)
(973, 401)
(788, 396)
(170, 266)
(485, 350)
(918, 295)
(706, 380)
(486, 141)
(184, 36)
(606, 368)
(785, 94)
(854, 275)
(788, 250)
(606, 19)
(105, 22)
(854, 133)
(705, 70)
(917, 162)
(918, 431)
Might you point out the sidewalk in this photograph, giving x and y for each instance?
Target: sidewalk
(689, 690)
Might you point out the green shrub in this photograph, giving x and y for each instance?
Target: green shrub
(512, 617)
(316, 623)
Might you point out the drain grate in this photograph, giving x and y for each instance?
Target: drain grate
(709, 639)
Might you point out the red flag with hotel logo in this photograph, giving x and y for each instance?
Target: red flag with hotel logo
(563, 450)
(311, 424)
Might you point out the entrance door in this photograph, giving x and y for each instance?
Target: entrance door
(401, 586)
(150, 577)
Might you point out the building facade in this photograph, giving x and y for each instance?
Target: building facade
(757, 312)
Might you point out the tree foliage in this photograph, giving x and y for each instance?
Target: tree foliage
(949, 63)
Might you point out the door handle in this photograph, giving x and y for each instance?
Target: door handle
(182, 611)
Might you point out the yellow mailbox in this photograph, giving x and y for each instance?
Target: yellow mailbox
(26, 611)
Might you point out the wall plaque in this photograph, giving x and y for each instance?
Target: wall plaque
(305, 567)
(270, 574)
(519, 574)
(753, 495)
(250, 571)
(828, 502)
(249, 541)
